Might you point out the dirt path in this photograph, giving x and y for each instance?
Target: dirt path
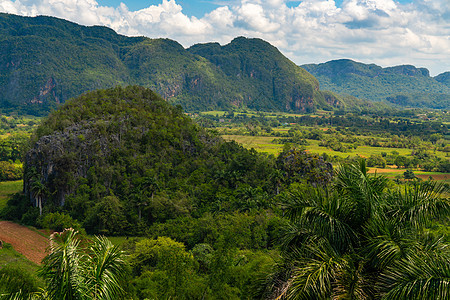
(25, 241)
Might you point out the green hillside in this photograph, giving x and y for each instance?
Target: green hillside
(401, 85)
(44, 61)
(127, 152)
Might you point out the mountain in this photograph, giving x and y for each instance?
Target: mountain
(402, 85)
(44, 61)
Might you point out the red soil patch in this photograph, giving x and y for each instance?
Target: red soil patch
(25, 241)
(379, 171)
(434, 176)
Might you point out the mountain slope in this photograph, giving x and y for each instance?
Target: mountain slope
(128, 152)
(403, 85)
(45, 61)
(261, 68)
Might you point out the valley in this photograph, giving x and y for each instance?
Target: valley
(215, 171)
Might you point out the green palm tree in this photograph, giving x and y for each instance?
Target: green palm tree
(38, 191)
(75, 272)
(357, 241)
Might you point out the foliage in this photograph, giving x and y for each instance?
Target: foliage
(72, 271)
(297, 164)
(58, 222)
(10, 171)
(13, 279)
(45, 61)
(406, 86)
(358, 241)
(127, 157)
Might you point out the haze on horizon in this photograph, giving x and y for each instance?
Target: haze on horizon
(384, 32)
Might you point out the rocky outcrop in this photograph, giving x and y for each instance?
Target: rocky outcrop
(59, 158)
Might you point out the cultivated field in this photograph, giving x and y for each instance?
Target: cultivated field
(27, 242)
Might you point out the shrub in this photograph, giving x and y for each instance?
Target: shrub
(58, 222)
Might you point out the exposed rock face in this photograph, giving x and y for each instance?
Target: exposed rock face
(105, 142)
(45, 61)
(64, 155)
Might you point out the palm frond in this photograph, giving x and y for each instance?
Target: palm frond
(387, 240)
(419, 204)
(421, 276)
(106, 268)
(364, 190)
(319, 213)
(61, 267)
(313, 278)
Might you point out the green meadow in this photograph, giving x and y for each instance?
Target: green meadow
(7, 188)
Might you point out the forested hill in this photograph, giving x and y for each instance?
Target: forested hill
(403, 85)
(45, 61)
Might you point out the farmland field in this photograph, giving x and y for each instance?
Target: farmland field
(264, 144)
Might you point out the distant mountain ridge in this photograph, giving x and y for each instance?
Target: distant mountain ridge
(403, 85)
(46, 60)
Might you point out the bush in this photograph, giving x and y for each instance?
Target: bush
(58, 222)
(10, 171)
(13, 279)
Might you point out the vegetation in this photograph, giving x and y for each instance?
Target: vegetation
(351, 237)
(95, 270)
(46, 61)
(142, 161)
(17, 273)
(355, 240)
(415, 140)
(198, 217)
(8, 188)
(405, 86)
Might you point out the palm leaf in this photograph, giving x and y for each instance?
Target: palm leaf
(106, 268)
(421, 276)
(419, 204)
(61, 267)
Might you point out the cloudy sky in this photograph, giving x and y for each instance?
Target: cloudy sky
(385, 32)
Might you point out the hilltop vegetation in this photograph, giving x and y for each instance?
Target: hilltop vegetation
(405, 86)
(44, 61)
(214, 220)
(122, 157)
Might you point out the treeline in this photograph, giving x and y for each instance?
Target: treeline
(400, 123)
(14, 142)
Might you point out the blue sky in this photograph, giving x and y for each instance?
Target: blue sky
(197, 8)
(384, 32)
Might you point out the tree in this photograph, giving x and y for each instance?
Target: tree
(78, 269)
(166, 264)
(408, 174)
(358, 241)
(38, 191)
(72, 271)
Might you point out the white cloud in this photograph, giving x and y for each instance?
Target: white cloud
(380, 31)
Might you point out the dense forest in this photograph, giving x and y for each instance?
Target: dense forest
(44, 61)
(205, 218)
(403, 86)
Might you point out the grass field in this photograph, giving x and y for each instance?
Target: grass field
(264, 144)
(9, 256)
(7, 188)
(392, 173)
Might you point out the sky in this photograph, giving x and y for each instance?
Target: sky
(384, 32)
